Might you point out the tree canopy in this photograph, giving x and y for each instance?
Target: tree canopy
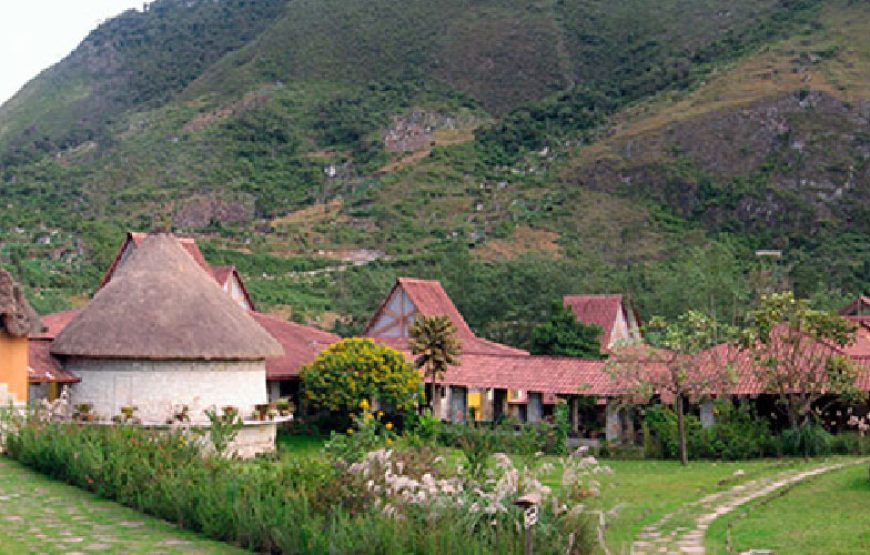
(564, 335)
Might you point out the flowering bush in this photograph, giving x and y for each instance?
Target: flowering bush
(416, 485)
(355, 369)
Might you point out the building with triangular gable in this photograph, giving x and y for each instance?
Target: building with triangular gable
(617, 318)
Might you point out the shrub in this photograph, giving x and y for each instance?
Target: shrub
(850, 443)
(810, 440)
(738, 433)
(507, 437)
(355, 369)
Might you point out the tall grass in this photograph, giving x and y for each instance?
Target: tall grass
(271, 506)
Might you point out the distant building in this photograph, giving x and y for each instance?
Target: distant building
(616, 317)
(493, 380)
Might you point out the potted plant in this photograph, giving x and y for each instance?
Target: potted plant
(262, 411)
(284, 407)
(182, 414)
(83, 412)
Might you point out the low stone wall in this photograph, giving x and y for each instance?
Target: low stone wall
(157, 388)
(254, 439)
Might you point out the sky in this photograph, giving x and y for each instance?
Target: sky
(36, 34)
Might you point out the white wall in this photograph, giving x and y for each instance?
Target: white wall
(156, 387)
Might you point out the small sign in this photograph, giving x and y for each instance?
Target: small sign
(530, 516)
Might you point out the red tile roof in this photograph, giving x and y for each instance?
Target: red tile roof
(430, 299)
(859, 307)
(860, 348)
(42, 367)
(600, 310)
(544, 374)
(301, 345)
(222, 275)
(54, 323)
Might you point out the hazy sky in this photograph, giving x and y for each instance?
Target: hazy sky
(34, 34)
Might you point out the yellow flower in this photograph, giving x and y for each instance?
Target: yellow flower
(389, 441)
(364, 404)
(380, 414)
(350, 431)
(389, 426)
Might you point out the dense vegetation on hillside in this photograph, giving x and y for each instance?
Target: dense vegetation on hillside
(517, 151)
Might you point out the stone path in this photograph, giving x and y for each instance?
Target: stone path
(661, 537)
(39, 515)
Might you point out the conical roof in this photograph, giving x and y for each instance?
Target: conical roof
(160, 305)
(17, 317)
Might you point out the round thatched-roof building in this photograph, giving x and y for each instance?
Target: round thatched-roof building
(161, 334)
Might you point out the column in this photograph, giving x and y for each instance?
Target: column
(612, 425)
(707, 416)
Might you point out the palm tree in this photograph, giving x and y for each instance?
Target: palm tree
(433, 341)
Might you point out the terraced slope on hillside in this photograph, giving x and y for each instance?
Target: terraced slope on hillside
(515, 150)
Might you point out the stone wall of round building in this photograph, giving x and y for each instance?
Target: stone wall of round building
(159, 388)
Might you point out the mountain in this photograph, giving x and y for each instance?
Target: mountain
(515, 150)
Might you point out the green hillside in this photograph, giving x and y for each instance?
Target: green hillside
(515, 150)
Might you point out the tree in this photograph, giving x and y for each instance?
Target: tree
(564, 335)
(684, 360)
(433, 341)
(357, 369)
(794, 352)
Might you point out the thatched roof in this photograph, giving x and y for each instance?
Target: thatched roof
(161, 305)
(17, 317)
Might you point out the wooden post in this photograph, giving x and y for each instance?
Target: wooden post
(529, 503)
(575, 413)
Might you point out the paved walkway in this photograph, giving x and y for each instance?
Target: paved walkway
(662, 538)
(39, 515)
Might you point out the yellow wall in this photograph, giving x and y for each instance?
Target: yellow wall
(473, 401)
(13, 365)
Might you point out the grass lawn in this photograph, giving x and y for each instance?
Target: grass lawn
(300, 445)
(647, 490)
(40, 515)
(827, 514)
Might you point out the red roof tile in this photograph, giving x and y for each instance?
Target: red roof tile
(859, 307)
(600, 310)
(54, 323)
(42, 367)
(861, 346)
(222, 273)
(543, 374)
(301, 345)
